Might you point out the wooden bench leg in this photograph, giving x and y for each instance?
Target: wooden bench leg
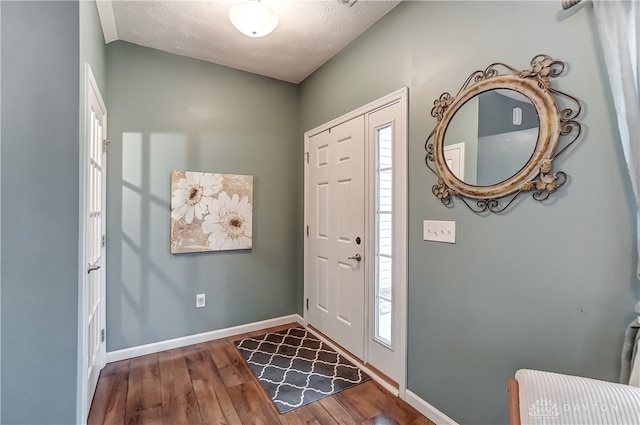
(514, 401)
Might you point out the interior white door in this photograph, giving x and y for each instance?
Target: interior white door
(336, 263)
(454, 157)
(93, 258)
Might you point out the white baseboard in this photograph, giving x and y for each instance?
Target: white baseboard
(433, 414)
(156, 347)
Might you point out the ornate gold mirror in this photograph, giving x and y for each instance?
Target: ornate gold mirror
(499, 135)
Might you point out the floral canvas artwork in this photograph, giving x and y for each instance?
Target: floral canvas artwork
(210, 212)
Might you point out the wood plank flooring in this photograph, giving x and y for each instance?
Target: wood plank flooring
(210, 383)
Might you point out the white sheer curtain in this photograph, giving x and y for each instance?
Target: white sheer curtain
(618, 25)
(619, 28)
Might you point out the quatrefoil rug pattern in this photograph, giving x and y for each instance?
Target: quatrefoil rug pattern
(296, 368)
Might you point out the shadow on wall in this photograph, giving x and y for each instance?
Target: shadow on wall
(144, 204)
(155, 288)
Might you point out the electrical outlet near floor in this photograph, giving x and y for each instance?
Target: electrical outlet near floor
(201, 300)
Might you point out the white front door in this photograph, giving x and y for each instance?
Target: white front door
(92, 268)
(356, 205)
(336, 295)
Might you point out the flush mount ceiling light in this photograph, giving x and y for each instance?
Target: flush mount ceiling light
(253, 18)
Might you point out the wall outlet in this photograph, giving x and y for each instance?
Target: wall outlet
(201, 300)
(439, 231)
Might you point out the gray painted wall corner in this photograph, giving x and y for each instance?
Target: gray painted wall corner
(39, 214)
(167, 112)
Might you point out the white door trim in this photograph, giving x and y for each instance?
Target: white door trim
(401, 203)
(375, 349)
(82, 402)
(400, 215)
(397, 95)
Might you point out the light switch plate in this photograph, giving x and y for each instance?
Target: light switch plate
(439, 231)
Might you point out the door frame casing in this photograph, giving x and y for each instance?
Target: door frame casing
(400, 263)
(82, 402)
(379, 354)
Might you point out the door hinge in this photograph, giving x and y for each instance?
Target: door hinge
(104, 241)
(306, 154)
(105, 143)
(102, 335)
(307, 303)
(307, 230)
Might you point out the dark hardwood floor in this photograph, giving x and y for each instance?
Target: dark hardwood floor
(210, 383)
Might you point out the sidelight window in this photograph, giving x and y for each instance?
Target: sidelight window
(384, 234)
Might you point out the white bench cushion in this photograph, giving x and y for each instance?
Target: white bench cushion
(552, 398)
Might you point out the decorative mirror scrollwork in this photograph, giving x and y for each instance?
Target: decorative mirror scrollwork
(487, 162)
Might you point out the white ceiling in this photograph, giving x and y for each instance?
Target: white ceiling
(310, 31)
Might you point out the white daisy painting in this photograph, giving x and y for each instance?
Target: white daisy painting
(210, 212)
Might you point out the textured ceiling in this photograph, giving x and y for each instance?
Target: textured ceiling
(310, 31)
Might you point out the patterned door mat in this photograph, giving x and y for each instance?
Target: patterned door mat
(296, 368)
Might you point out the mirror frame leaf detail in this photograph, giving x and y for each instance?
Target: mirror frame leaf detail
(536, 176)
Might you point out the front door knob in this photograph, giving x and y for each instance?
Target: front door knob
(356, 257)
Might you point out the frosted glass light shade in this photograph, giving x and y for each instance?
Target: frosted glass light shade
(253, 18)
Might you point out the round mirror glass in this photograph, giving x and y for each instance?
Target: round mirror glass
(491, 137)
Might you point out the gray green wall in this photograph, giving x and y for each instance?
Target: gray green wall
(43, 48)
(543, 286)
(549, 286)
(168, 112)
(92, 47)
(39, 227)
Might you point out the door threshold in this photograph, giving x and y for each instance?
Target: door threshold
(385, 381)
